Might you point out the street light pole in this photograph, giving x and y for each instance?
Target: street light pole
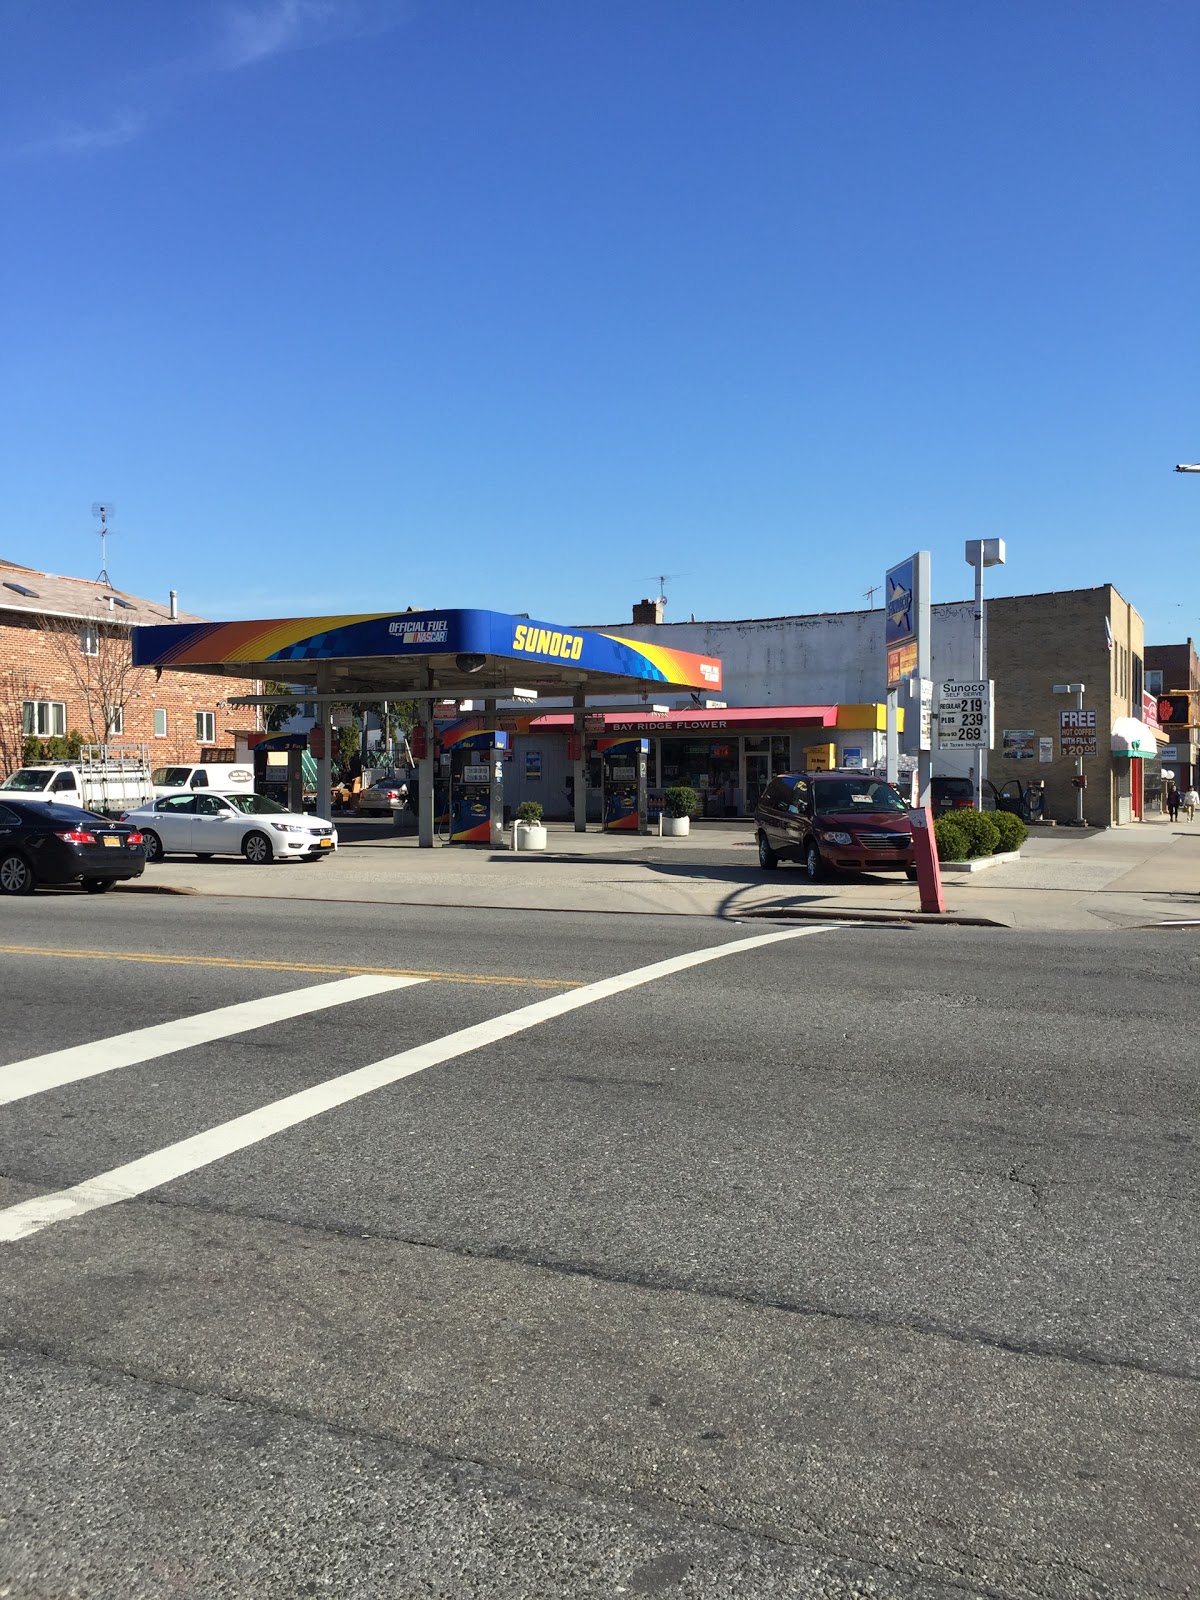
(1077, 690)
(982, 553)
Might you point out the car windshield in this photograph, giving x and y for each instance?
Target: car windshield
(255, 805)
(852, 794)
(31, 780)
(170, 777)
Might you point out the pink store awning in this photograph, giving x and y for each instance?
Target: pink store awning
(735, 719)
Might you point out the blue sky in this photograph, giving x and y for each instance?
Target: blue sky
(351, 306)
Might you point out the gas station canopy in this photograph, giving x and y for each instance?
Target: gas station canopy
(394, 655)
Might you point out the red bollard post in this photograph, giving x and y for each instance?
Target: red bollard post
(925, 856)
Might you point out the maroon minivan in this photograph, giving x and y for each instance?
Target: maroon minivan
(833, 820)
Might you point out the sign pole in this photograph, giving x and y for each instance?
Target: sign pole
(924, 672)
(1079, 766)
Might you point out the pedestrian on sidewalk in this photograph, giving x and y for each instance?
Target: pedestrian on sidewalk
(1173, 802)
(1191, 800)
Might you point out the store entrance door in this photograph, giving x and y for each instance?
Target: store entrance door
(758, 776)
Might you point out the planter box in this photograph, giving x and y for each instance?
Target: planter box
(530, 835)
(676, 827)
(982, 863)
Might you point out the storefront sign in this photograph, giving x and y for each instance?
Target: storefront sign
(593, 724)
(906, 611)
(533, 765)
(964, 715)
(1077, 733)
(925, 741)
(1045, 749)
(1020, 744)
(820, 757)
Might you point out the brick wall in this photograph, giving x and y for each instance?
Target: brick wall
(43, 660)
(1038, 640)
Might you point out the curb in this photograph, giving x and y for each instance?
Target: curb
(156, 888)
(908, 919)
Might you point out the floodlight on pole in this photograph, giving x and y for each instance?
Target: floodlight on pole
(982, 553)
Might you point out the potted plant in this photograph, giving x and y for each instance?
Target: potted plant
(528, 830)
(680, 805)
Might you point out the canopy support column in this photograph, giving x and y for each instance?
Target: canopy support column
(325, 759)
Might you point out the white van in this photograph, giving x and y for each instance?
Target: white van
(223, 777)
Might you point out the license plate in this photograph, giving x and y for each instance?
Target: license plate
(326, 844)
(112, 840)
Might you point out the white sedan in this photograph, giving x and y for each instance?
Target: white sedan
(207, 825)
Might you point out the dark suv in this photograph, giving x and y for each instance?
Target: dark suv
(833, 819)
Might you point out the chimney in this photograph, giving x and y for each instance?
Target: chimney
(649, 611)
(174, 605)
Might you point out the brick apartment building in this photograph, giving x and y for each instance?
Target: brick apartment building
(1177, 667)
(65, 668)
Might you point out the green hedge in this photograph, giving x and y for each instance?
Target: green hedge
(1013, 832)
(951, 840)
(964, 835)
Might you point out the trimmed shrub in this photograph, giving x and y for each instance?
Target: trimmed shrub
(529, 811)
(980, 831)
(681, 802)
(951, 840)
(1013, 832)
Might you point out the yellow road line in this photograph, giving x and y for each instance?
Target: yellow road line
(328, 968)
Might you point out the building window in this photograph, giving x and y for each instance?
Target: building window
(1137, 689)
(206, 726)
(160, 723)
(116, 721)
(89, 639)
(1154, 683)
(46, 718)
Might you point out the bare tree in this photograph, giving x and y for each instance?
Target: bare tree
(98, 660)
(16, 687)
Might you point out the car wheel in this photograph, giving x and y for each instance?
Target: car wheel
(203, 855)
(911, 874)
(98, 885)
(16, 875)
(767, 859)
(814, 867)
(153, 844)
(256, 848)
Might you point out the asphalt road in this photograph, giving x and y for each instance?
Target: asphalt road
(856, 1261)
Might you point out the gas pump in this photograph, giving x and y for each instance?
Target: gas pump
(279, 769)
(623, 777)
(475, 798)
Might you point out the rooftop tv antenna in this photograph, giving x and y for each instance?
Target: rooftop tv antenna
(661, 579)
(103, 509)
(869, 594)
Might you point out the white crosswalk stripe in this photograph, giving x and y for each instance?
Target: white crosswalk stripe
(187, 1155)
(37, 1074)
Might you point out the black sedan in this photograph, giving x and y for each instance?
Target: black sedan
(42, 843)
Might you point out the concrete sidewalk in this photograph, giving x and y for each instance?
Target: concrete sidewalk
(1146, 873)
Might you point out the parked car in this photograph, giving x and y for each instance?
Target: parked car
(832, 821)
(383, 797)
(250, 825)
(45, 843)
(951, 794)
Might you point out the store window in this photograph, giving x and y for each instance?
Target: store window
(708, 766)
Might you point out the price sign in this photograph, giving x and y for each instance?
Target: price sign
(964, 715)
